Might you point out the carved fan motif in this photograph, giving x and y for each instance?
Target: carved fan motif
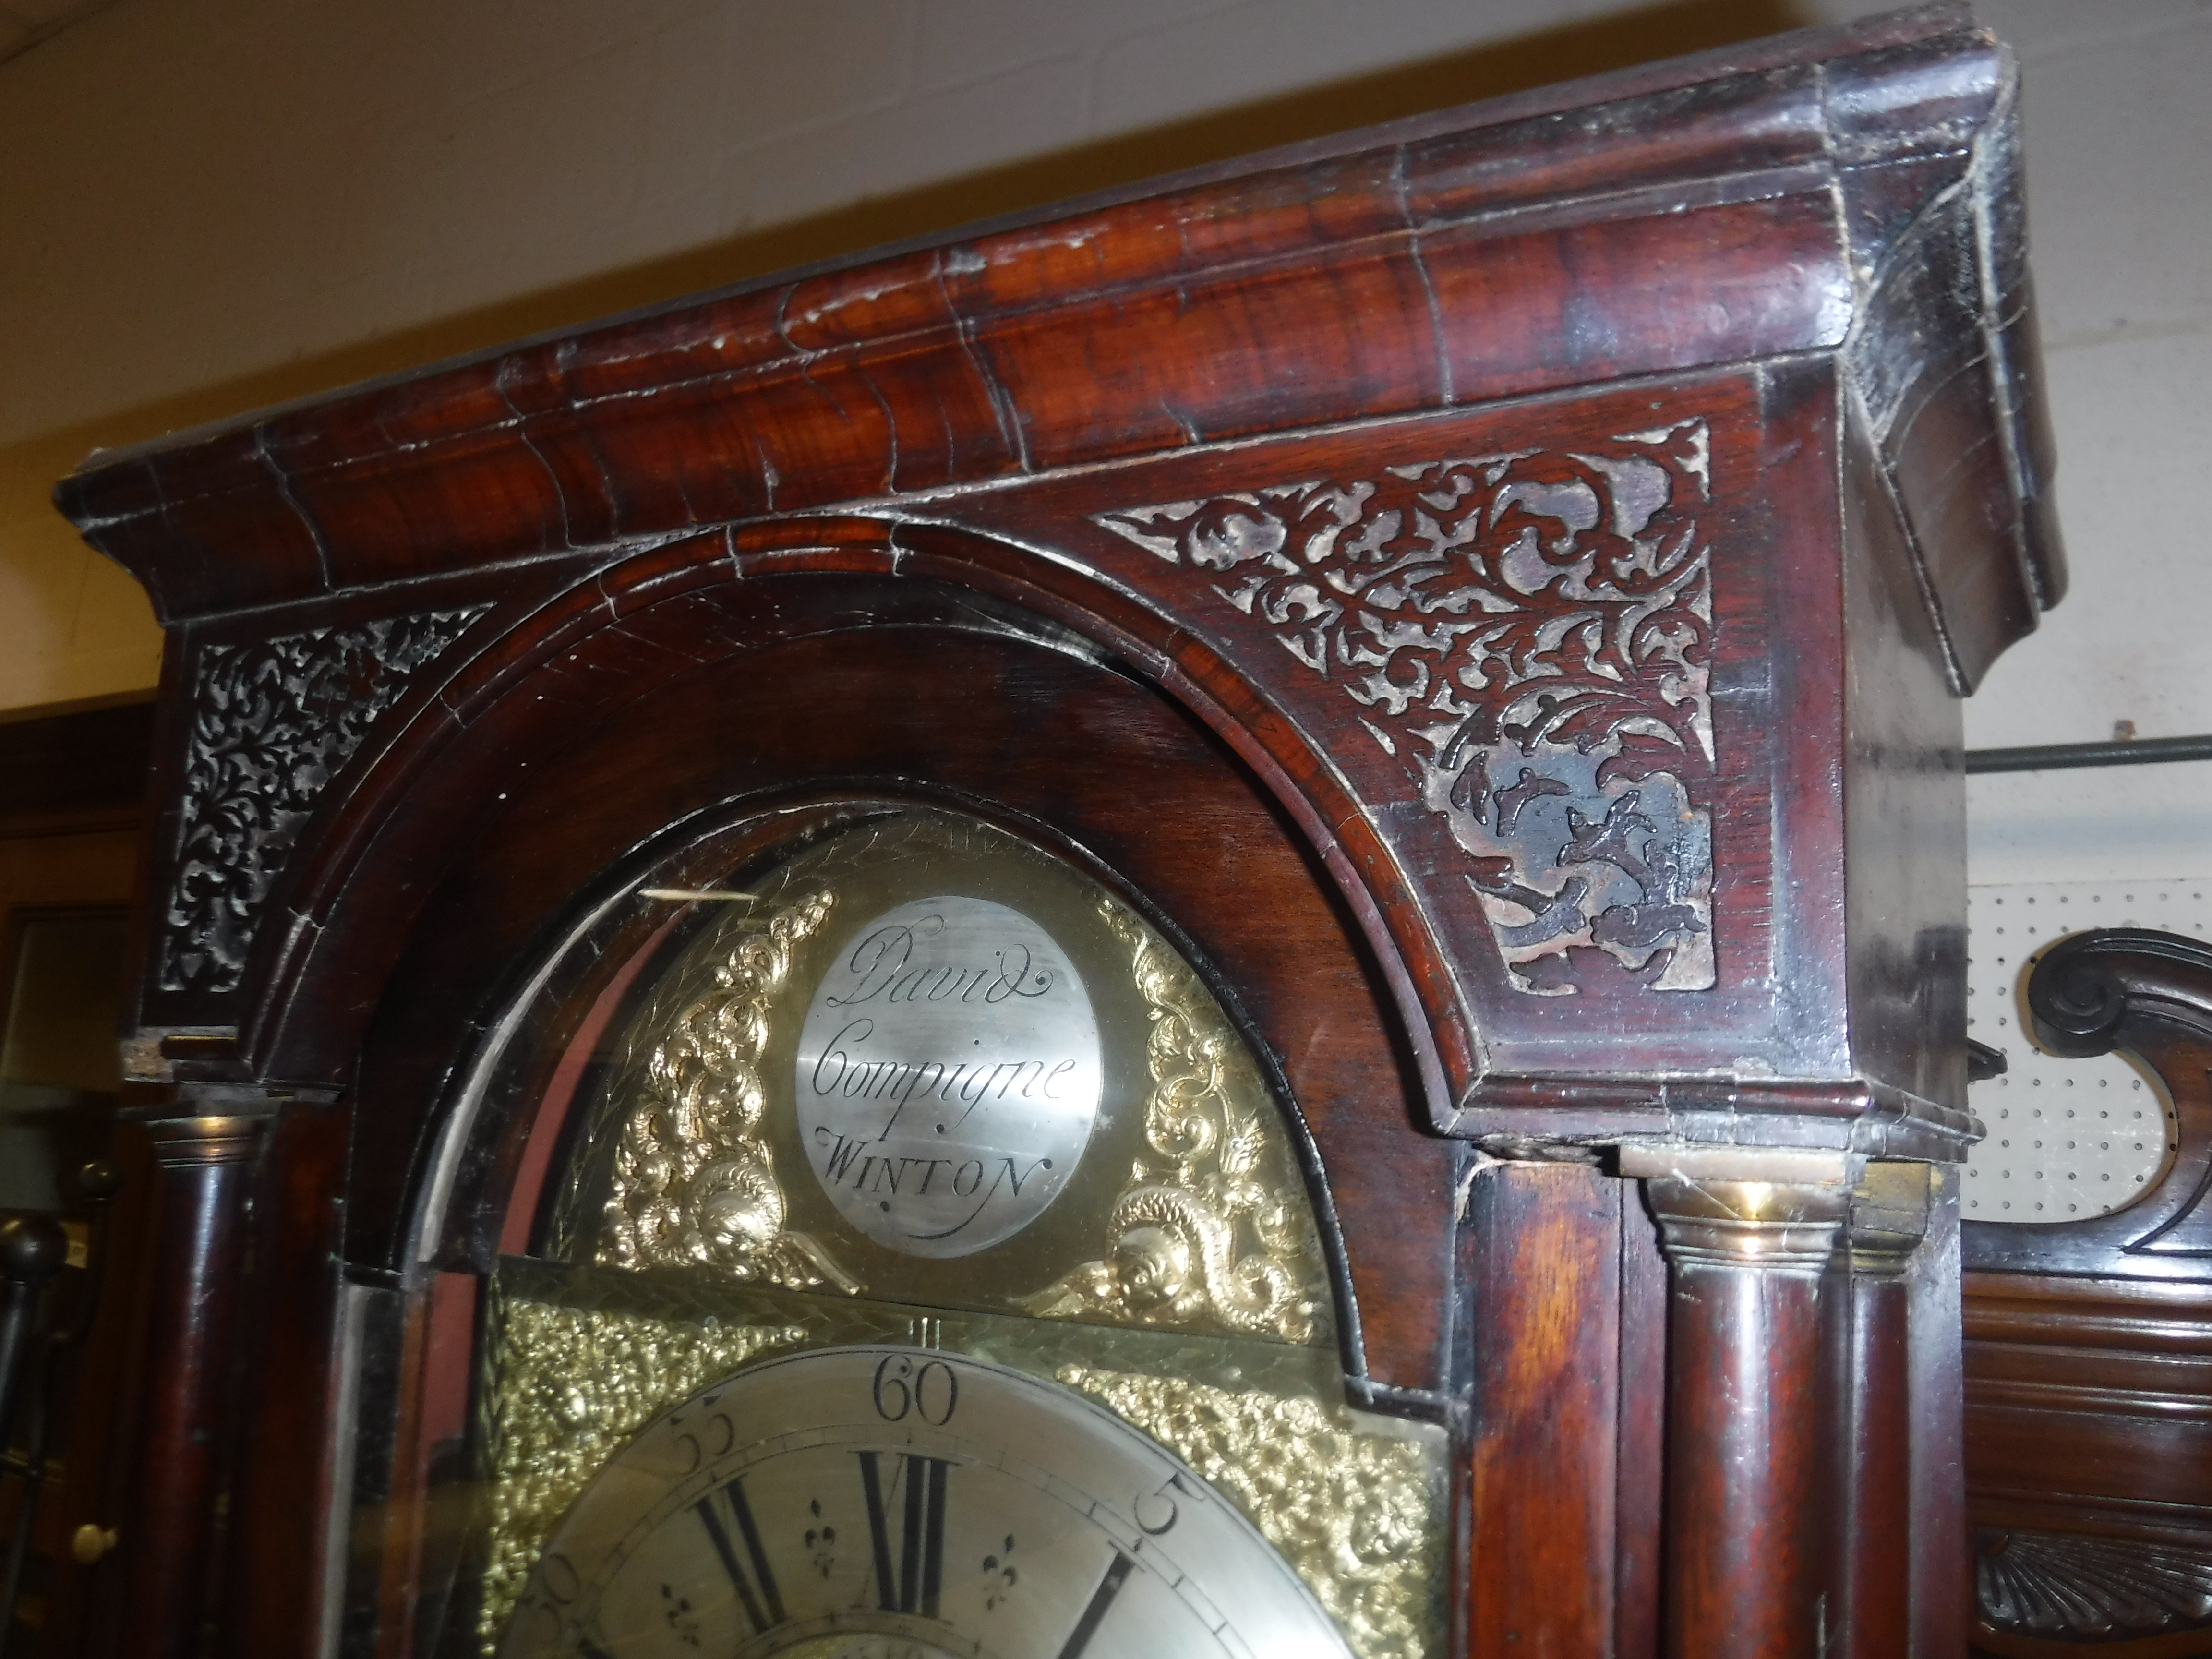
(2055, 1584)
(1530, 633)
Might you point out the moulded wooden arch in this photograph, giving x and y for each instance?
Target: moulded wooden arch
(355, 844)
(1302, 970)
(1805, 254)
(502, 1134)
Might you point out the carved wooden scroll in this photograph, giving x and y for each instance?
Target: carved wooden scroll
(2089, 1402)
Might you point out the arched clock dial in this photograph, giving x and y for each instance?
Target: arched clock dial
(919, 1081)
(899, 1502)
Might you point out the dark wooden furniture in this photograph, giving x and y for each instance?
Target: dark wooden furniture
(73, 804)
(2088, 1348)
(1498, 586)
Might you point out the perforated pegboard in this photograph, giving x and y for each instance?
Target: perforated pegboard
(2067, 1139)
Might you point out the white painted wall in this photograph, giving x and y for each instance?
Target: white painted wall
(2118, 129)
(207, 204)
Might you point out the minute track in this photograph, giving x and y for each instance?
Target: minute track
(832, 1520)
(1094, 1611)
(764, 1609)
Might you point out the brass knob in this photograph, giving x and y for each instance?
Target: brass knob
(89, 1542)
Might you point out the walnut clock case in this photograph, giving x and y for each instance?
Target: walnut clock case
(1229, 921)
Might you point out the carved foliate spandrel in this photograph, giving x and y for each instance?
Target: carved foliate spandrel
(1352, 1509)
(272, 722)
(1211, 1231)
(694, 1181)
(1189, 1213)
(1529, 633)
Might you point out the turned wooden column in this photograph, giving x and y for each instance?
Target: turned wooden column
(203, 1152)
(1745, 1456)
(1873, 1578)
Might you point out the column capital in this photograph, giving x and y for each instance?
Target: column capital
(1759, 1225)
(1889, 1218)
(208, 1123)
(194, 1138)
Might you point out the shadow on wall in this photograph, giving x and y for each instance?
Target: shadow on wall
(1620, 40)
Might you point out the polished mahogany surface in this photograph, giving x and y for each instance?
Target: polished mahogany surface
(2089, 1346)
(1791, 254)
(1797, 195)
(1495, 589)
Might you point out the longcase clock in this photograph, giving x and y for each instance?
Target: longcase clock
(1225, 921)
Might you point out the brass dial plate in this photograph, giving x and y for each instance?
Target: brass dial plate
(904, 1493)
(1169, 1283)
(579, 1359)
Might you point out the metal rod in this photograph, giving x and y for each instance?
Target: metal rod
(27, 1510)
(2049, 757)
(33, 1247)
(98, 1183)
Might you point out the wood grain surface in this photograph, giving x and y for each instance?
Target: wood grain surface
(1494, 590)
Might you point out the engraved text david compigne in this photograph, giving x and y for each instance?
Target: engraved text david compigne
(948, 1076)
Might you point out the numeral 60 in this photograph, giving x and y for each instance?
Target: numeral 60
(901, 1387)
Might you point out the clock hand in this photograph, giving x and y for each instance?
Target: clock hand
(1079, 1639)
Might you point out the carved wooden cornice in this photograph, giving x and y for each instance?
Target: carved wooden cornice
(1579, 511)
(1455, 260)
